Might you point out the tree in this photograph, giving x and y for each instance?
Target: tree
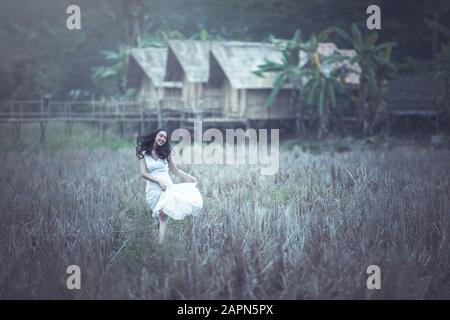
(288, 74)
(321, 80)
(316, 78)
(376, 67)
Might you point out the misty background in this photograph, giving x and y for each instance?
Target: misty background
(40, 55)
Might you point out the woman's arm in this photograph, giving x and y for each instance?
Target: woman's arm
(178, 172)
(146, 176)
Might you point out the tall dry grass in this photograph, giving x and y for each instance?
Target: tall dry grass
(308, 232)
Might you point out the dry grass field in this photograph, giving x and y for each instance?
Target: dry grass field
(308, 232)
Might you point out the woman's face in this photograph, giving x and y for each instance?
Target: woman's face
(161, 138)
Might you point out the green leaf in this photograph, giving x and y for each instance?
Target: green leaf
(297, 36)
(110, 55)
(372, 39)
(357, 35)
(344, 35)
(278, 84)
(325, 34)
(331, 95)
(312, 93)
(321, 99)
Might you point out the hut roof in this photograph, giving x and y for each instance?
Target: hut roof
(414, 92)
(193, 57)
(152, 62)
(238, 60)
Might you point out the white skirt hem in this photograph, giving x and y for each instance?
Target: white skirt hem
(179, 201)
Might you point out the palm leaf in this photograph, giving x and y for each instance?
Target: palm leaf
(386, 45)
(372, 39)
(278, 84)
(344, 35)
(357, 35)
(110, 55)
(312, 93)
(331, 95)
(321, 99)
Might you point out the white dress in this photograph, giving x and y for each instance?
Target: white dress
(178, 200)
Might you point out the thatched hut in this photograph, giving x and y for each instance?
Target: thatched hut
(216, 77)
(244, 93)
(232, 66)
(188, 63)
(146, 70)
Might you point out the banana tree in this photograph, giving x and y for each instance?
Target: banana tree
(321, 81)
(374, 61)
(287, 74)
(314, 76)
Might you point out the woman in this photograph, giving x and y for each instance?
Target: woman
(165, 198)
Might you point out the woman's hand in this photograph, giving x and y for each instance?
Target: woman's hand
(183, 175)
(162, 185)
(194, 179)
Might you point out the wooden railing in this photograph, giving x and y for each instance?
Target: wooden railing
(101, 112)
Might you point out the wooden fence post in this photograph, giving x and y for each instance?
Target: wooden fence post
(102, 126)
(66, 113)
(68, 126)
(17, 122)
(43, 127)
(159, 112)
(94, 117)
(45, 103)
(121, 121)
(141, 122)
(13, 117)
(16, 129)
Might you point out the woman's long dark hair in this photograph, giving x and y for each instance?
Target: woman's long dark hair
(145, 143)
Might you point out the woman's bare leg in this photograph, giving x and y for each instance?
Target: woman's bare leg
(163, 219)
